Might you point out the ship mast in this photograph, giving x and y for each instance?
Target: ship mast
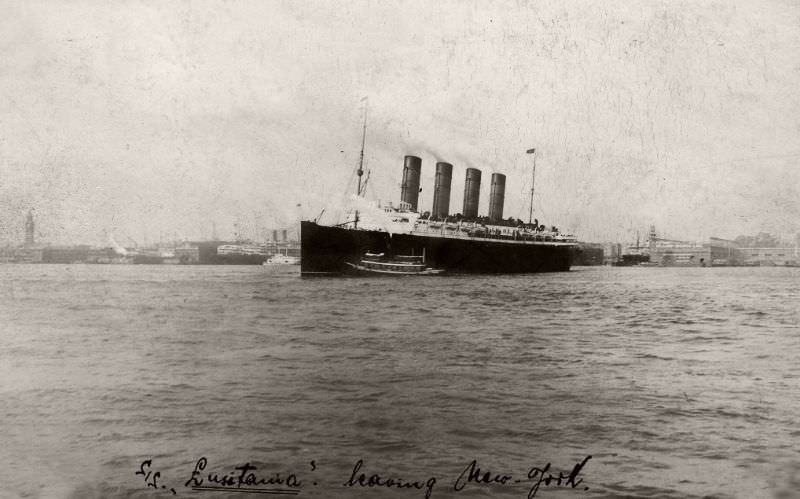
(360, 170)
(533, 181)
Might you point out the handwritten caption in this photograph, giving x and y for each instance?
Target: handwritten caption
(248, 478)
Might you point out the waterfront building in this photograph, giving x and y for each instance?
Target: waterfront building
(724, 252)
(777, 256)
(187, 254)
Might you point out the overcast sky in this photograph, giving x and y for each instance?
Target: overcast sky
(159, 119)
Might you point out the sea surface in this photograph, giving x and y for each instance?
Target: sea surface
(678, 382)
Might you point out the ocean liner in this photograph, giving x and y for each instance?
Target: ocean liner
(462, 243)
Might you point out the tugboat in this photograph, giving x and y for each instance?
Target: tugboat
(282, 259)
(380, 264)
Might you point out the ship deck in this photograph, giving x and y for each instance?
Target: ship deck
(542, 241)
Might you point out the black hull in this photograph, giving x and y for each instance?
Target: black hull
(324, 250)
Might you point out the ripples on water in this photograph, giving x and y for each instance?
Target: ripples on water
(679, 382)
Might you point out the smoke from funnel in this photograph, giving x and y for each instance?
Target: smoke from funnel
(425, 148)
(371, 212)
(117, 248)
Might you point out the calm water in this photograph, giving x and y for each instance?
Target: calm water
(678, 382)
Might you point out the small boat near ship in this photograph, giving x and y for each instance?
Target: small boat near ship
(282, 259)
(380, 264)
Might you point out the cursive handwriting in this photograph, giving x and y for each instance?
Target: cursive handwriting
(247, 478)
(242, 477)
(376, 480)
(475, 475)
(572, 479)
(150, 477)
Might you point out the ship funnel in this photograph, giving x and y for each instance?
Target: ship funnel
(409, 190)
(497, 196)
(472, 192)
(441, 190)
(284, 235)
(275, 236)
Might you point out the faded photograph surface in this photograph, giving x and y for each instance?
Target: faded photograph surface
(399, 249)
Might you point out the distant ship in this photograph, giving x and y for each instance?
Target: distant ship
(464, 243)
(226, 253)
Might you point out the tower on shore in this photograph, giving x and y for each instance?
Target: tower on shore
(29, 229)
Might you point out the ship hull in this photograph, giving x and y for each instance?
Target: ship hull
(327, 250)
